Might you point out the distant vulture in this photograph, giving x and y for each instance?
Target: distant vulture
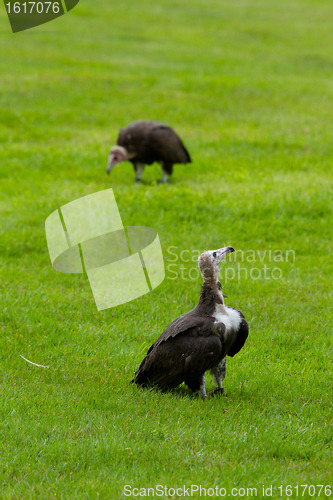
(143, 142)
(198, 340)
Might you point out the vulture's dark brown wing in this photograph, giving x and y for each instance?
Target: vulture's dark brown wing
(199, 326)
(181, 359)
(167, 145)
(240, 340)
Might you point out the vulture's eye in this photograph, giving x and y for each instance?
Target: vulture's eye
(214, 254)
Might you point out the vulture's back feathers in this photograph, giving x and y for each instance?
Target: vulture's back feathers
(167, 144)
(191, 323)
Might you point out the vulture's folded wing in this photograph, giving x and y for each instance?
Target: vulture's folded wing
(242, 334)
(181, 359)
(164, 141)
(198, 326)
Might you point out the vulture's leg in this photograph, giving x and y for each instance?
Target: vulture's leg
(164, 178)
(218, 374)
(167, 171)
(198, 385)
(202, 388)
(139, 168)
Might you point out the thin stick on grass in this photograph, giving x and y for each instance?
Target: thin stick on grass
(40, 366)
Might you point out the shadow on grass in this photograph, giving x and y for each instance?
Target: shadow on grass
(180, 392)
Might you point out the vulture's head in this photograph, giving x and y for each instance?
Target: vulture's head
(117, 154)
(209, 263)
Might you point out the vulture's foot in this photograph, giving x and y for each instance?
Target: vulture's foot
(140, 181)
(219, 391)
(163, 181)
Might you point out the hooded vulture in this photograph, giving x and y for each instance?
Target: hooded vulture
(197, 341)
(143, 142)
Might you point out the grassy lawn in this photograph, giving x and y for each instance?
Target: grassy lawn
(248, 85)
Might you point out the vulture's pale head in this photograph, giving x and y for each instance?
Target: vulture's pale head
(209, 263)
(117, 154)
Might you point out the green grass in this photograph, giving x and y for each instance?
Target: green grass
(248, 85)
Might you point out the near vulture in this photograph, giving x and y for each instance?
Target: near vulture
(143, 142)
(198, 340)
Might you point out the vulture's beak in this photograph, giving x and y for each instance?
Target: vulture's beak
(222, 252)
(111, 163)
